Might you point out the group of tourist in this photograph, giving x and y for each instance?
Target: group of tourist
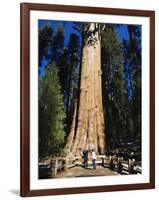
(85, 158)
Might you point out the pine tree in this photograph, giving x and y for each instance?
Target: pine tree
(135, 57)
(57, 43)
(45, 41)
(51, 113)
(73, 70)
(114, 92)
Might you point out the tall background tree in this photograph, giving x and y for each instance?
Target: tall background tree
(69, 65)
(121, 66)
(114, 94)
(45, 41)
(132, 52)
(51, 113)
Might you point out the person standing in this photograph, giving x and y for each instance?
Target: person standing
(85, 157)
(94, 157)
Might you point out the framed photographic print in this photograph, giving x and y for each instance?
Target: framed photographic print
(87, 99)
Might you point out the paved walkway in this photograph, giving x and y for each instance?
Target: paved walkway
(82, 172)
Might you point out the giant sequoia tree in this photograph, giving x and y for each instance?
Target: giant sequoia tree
(87, 130)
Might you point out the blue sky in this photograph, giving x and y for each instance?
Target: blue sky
(68, 28)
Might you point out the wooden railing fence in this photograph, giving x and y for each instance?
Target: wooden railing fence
(114, 163)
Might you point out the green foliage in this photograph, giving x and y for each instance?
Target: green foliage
(135, 58)
(51, 113)
(67, 59)
(45, 40)
(73, 69)
(57, 43)
(121, 66)
(115, 99)
(69, 64)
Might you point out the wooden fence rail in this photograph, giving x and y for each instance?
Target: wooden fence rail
(121, 166)
(112, 162)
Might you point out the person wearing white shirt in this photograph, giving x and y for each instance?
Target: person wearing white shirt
(94, 157)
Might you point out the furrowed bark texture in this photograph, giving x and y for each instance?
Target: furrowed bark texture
(89, 133)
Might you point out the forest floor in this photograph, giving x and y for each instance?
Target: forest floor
(82, 172)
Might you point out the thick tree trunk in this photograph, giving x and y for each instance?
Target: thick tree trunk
(89, 130)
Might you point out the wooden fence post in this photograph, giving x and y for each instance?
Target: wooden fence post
(51, 162)
(119, 164)
(66, 164)
(56, 166)
(111, 165)
(131, 163)
(102, 162)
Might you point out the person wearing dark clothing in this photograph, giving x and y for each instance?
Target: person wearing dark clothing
(85, 157)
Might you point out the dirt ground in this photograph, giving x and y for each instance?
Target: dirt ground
(82, 172)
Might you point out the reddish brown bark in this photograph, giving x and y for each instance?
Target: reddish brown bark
(90, 130)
